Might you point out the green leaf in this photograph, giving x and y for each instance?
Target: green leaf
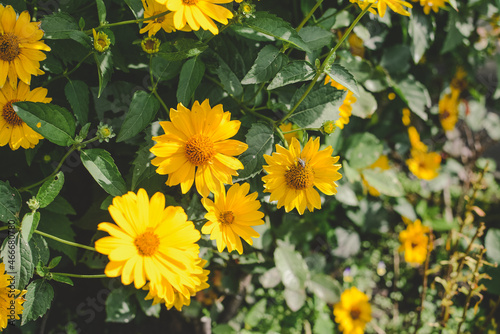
(229, 80)
(191, 74)
(142, 168)
(363, 149)
(293, 268)
(325, 288)
(396, 59)
(29, 225)
(119, 306)
(385, 181)
(260, 139)
(164, 69)
(315, 37)
(61, 279)
(54, 262)
(414, 94)
(104, 63)
(323, 324)
(27, 266)
(295, 299)
(147, 305)
(136, 7)
(103, 169)
(256, 313)
(63, 26)
(268, 63)
(454, 37)
(365, 104)
(77, 94)
(50, 189)
(341, 75)
(101, 11)
(141, 112)
(60, 226)
(293, 72)
(181, 49)
(39, 249)
(61, 206)
(321, 104)
(38, 299)
(10, 202)
(53, 122)
(421, 30)
(272, 25)
(492, 244)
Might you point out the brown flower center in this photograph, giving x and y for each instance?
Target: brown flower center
(150, 44)
(147, 243)
(10, 115)
(9, 47)
(190, 2)
(226, 217)
(414, 244)
(300, 176)
(355, 313)
(159, 19)
(199, 150)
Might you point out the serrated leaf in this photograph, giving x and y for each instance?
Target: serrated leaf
(183, 48)
(260, 139)
(191, 74)
(104, 63)
(63, 26)
(293, 72)
(29, 225)
(53, 122)
(27, 267)
(10, 202)
(50, 189)
(77, 94)
(39, 249)
(229, 80)
(385, 181)
(292, 267)
(363, 149)
(268, 63)
(54, 262)
(119, 306)
(142, 168)
(38, 299)
(421, 31)
(341, 75)
(414, 94)
(101, 11)
(325, 288)
(321, 104)
(272, 25)
(141, 112)
(62, 279)
(164, 69)
(315, 37)
(103, 169)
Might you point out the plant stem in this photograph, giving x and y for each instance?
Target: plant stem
(89, 32)
(308, 16)
(424, 283)
(334, 14)
(81, 276)
(70, 243)
(3, 228)
(489, 317)
(302, 129)
(67, 73)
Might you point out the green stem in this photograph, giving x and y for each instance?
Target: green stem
(282, 137)
(154, 85)
(324, 64)
(302, 129)
(70, 243)
(89, 32)
(334, 14)
(67, 73)
(81, 276)
(308, 16)
(3, 228)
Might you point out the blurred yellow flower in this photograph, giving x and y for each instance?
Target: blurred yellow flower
(353, 311)
(432, 4)
(20, 47)
(415, 140)
(424, 165)
(9, 297)
(414, 241)
(356, 45)
(346, 107)
(231, 217)
(293, 173)
(196, 145)
(406, 116)
(448, 110)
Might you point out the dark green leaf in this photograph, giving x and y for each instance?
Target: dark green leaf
(142, 168)
(77, 94)
(61, 279)
(229, 80)
(363, 149)
(29, 225)
(269, 61)
(421, 31)
(10, 202)
(119, 306)
(136, 7)
(182, 49)
(101, 11)
(39, 249)
(63, 26)
(147, 305)
(60, 226)
(341, 75)
(61, 206)
(141, 112)
(191, 74)
(315, 37)
(38, 299)
(385, 181)
(164, 69)
(454, 37)
(103, 169)
(104, 63)
(256, 313)
(414, 94)
(53, 122)
(396, 59)
(293, 72)
(27, 267)
(50, 189)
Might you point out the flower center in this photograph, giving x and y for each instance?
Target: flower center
(190, 2)
(147, 243)
(299, 176)
(226, 217)
(444, 115)
(10, 115)
(9, 47)
(102, 42)
(414, 244)
(355, 313)
(199, 150)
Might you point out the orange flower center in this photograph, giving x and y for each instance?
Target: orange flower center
(299, 176)
(10, 115)
(199, 150)
(190, 2)
(226, 217)
(355, 313)
(147, 243)
(9, 47)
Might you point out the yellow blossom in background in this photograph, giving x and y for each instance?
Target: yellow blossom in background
(285, 127)
(432, 4)
(346, 107)
(13, 130)
(198, 13)
(166, 22)
(391, 96)
(414, 241)
(397, 6)
(406, 116)
(424, 165)
(448, 110)
(415, 140)
(356, 45)
(459, 81)
(231, 217)
(383, 164)
(293, 173)
(6, 298)
(101, 41)
(20, 47)
(353, 311)
(150, 45)
(151, 242)
(196, 146)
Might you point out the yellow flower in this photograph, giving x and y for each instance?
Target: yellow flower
(232, 216)
(356, 45)
(352, 312)
(382, 163)
(196, 142)
(432, 4)
(406, 115)
(20, 47)
(151, 243)
(381, 5)
(415, 140)
(346, 108)
(424, 165)
(8, 295)
(285, 127)
(459, 81)
(14, 130)
(198, 13)
(101, 41)
(448, 110)
(414, 241)
(173, 298)
(166, 22)
(293, 174)
(150, 45)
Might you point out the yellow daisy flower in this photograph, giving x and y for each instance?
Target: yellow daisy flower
(101, 41)
(150, 45)
(346, 107)
(414, 241)
(198, 13)
(293, 174)
(356, 45)
(448, 110)
(20, 45)
(352, 312)
(14, 130)
(7, 295)
(232, 216)
(196, 145)
(424, 165)
(382, 163)
(432, 4)
(150, 242)
(174, 298)
(166, 22)
(397, 6)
